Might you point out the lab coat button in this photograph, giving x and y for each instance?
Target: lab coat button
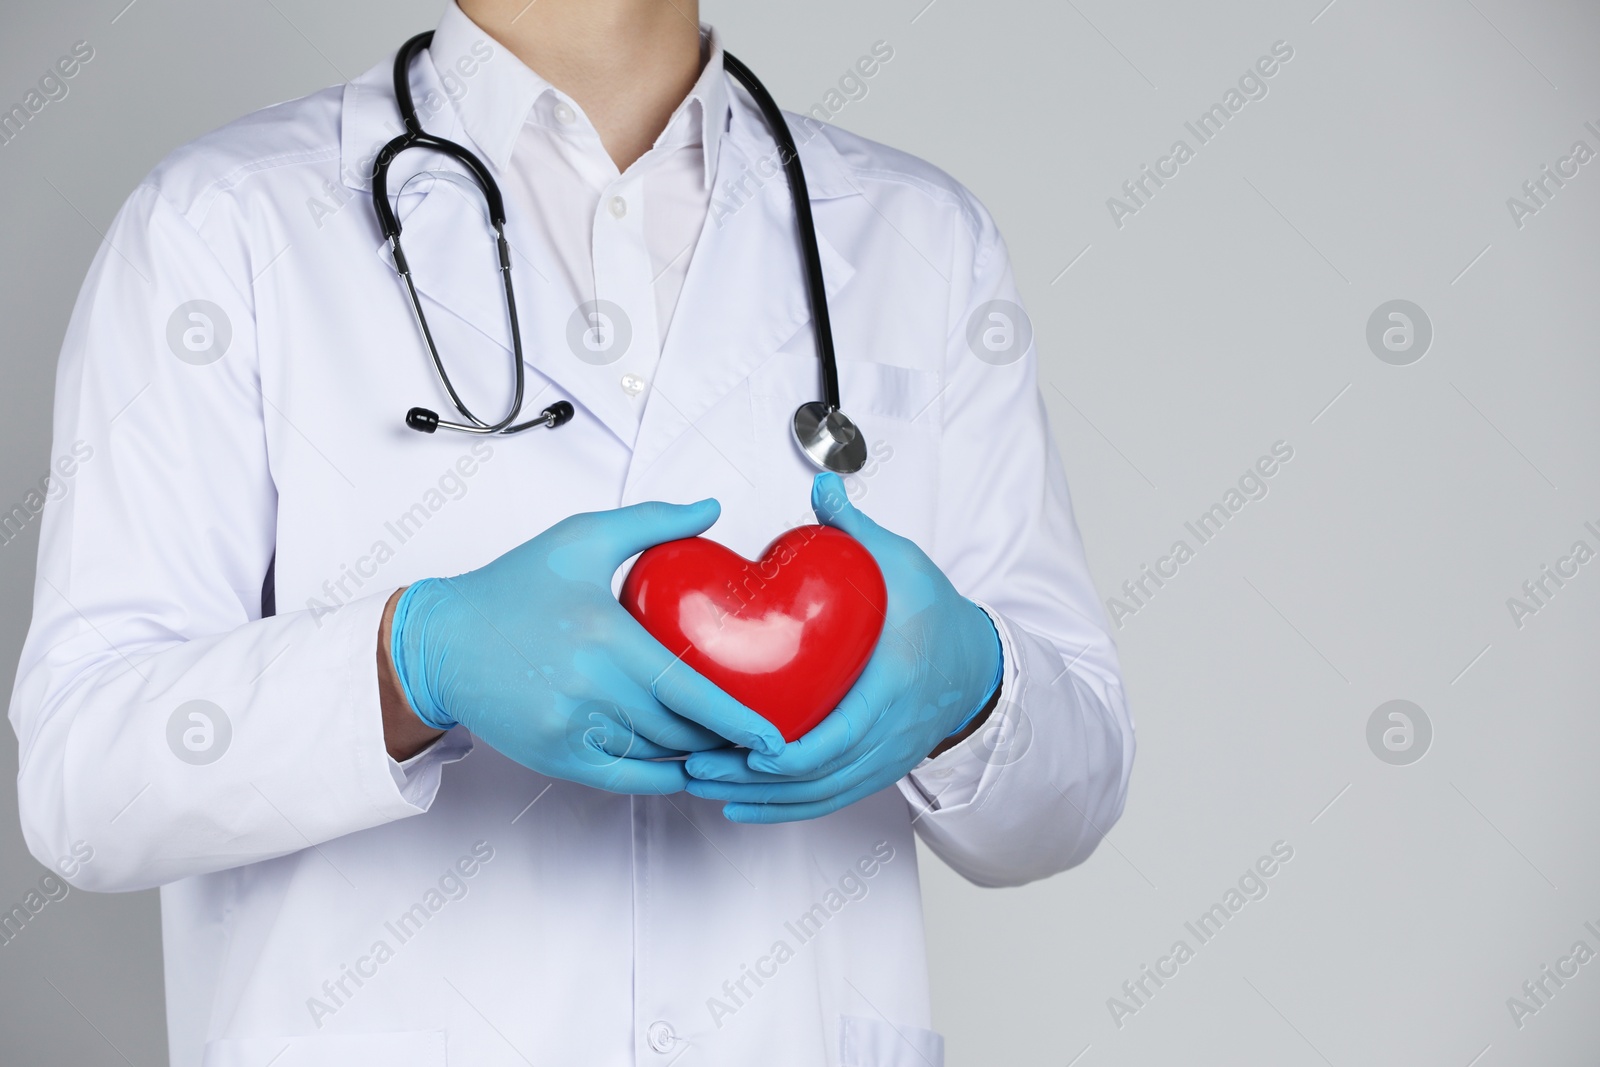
(632, 384)
(661, 1037)
(565, 115)
(619, 206)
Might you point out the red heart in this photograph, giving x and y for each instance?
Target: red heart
(786, 635)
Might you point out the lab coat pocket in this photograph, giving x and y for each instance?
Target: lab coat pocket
(902, 394)
(896, 408)
(416, 1048)
(875, 1043)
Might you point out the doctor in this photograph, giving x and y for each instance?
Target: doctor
(269, 615)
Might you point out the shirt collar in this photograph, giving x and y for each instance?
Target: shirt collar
(495, 94)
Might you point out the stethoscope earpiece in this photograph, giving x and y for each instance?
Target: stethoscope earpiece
(422, 420)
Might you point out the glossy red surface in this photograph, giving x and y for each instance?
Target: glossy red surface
(785, 635)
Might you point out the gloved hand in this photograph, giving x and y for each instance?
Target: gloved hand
(533, 654)
(936, 665)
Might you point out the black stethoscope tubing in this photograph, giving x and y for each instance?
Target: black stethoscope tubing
(415, 136)
(816, 288)
(829, 438)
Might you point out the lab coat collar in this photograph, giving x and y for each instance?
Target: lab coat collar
(371, 118)
(494, 94)
(491, 92)
(827, 174)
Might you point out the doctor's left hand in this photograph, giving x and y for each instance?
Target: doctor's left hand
(937, 665)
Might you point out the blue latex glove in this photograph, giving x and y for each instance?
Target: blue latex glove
(936, 665)
(534, 654)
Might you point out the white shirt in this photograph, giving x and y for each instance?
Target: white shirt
(620, 240)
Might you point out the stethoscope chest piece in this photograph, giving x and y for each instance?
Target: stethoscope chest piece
(829, 439)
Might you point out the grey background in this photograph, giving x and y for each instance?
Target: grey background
(1228, 314)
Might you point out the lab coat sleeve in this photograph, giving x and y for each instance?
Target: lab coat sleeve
(160, 720)
(1033, 791)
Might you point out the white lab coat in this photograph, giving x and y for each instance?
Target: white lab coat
(324, 905)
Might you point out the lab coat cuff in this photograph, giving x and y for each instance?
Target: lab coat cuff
(388, 796)
(418, 778)
(955, 775)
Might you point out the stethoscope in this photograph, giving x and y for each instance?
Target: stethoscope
(825, 434)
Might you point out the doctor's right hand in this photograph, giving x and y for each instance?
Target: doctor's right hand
(534, 654)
